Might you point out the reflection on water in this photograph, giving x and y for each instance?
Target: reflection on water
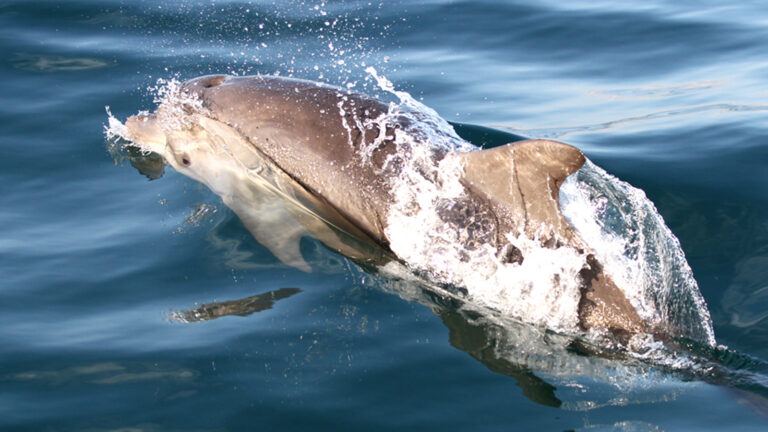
(746, 299)
(150, 165)
(242, 307)
(200, 213)
(562, 131)
(659, 91)
(562, 371)
(478, 341)
(622, 426)
(108, 373)
(551, 369)
(54, 63)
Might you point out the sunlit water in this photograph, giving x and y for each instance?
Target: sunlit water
(97, 263)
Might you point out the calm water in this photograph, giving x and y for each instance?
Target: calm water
(96, 261)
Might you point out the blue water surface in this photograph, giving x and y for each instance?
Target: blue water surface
(96, 260)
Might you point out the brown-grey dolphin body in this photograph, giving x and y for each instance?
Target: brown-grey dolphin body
(328, 150)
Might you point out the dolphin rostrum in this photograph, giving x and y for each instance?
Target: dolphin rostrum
(332, 159)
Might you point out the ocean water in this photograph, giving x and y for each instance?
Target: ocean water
(135, 304)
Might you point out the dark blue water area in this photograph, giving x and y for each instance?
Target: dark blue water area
(96, 260)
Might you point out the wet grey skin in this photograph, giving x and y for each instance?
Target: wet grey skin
(278, 153)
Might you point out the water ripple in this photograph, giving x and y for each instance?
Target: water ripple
(562, 131)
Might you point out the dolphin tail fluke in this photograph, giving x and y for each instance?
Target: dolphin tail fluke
(521, 181)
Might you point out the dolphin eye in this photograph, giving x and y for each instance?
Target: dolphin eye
(183, 159)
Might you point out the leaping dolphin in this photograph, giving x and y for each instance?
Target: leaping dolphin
(334, 156)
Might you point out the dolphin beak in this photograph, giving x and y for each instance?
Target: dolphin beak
(145, 131)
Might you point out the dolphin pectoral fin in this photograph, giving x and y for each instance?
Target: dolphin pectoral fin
(286, 248)
(274, 228)
(317, 214)
(521, 181)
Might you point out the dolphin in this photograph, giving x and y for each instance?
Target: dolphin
(329, 157)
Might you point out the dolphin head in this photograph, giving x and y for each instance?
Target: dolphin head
(199, 147)
(177, 147)
(220, 118)
(145, 130)
(176, 130)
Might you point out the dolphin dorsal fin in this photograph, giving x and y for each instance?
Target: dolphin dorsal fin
(521, 181)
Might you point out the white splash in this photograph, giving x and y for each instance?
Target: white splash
(630, 238)
(175, 104)
(175, 108)
(542, 290)
(114, 128)
(638, 250)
